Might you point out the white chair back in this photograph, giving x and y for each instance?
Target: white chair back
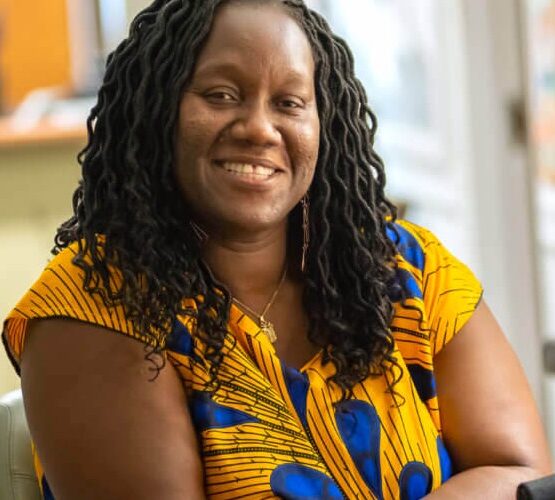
(17, 475)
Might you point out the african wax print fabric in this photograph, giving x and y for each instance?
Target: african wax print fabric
(274, 431)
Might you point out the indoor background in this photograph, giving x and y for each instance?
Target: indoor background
(464, 91)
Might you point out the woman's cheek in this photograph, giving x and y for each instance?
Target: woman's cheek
(308, 144)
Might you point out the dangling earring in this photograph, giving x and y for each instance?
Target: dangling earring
(200, 233)
(305, 203)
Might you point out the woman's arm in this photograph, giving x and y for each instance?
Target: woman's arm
(101, 428)
(490, 423)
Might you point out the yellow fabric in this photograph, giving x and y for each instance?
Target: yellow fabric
(271, 431)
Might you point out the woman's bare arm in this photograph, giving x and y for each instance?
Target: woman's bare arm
(490, 422)
(101, 427)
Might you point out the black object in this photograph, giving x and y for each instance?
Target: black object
(549, 356)
(538, 489)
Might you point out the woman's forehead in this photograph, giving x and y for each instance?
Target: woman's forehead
(241, 31)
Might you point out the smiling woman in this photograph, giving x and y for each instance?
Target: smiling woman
(281, 334)
(248, 128)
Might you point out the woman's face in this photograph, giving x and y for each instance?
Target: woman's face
(248, 131)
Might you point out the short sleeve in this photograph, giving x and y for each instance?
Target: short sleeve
(59, 293)
(450, 292)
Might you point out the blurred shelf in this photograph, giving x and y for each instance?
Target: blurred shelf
(45, 133)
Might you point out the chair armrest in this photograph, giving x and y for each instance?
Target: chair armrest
(538, 489)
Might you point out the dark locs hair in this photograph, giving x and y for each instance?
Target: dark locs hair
(130, 196)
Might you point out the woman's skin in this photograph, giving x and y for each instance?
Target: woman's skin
(103, 430)
(489, 418)
(252, 100)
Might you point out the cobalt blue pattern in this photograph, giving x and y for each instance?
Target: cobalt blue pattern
(444, 460)
(180, 340)
(404, 286)
(415, 481)
(424, 381)
(296, 482)
(297, 386)
(407, 245)
(359, 426)
(207, 414)
(46, 491)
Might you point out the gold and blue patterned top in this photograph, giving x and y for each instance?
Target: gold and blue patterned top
(273, 431)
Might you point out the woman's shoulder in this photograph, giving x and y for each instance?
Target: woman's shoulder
(434, 292)
(413, 242)
(60, 292)
(421, 251)
(47, 296)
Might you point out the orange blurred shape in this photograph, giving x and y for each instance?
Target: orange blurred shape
(34, 48)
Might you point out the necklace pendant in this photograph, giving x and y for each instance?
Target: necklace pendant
(268, 330)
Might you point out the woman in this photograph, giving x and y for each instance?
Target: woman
(299, 342)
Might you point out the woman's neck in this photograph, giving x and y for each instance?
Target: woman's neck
(250, 267)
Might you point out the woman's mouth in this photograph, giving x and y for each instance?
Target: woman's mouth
(248, 170)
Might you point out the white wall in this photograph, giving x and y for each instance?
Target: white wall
(545, 230)
(134, 6)
(501, 173)
(36, 184)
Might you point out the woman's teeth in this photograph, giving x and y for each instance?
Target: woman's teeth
(248, 169)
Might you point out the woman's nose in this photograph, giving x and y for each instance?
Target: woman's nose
(256, 125)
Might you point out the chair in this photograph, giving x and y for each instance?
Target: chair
(17, 474)
(538, 489)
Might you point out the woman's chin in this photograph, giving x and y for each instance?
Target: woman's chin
(251, 223)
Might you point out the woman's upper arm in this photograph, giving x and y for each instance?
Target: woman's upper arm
(488, 414)
(102, 427)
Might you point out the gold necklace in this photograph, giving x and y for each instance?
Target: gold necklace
(266, 326)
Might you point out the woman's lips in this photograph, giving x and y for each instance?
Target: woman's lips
(249, 174)
(248, 169)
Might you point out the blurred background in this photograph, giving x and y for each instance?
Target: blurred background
(465, 95)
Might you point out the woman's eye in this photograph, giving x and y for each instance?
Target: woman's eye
(291, 103)
(221, 97)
